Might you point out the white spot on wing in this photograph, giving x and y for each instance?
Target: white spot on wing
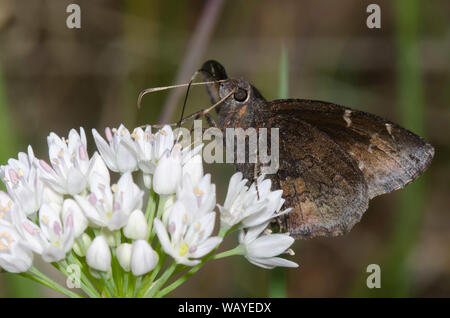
(346, 117)
(389, 128)
(370, 148)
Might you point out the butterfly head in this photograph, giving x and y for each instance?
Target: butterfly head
(240, 92)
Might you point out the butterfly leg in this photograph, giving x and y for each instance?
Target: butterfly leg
(255, 173)
(203, 112)
(210, 120)
(194, 116)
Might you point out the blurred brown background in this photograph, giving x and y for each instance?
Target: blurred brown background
(53, 78)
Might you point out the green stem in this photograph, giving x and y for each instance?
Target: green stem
(109, 284)
(34, 274)
(178, 282)
(277, 276)
(116, 273)
(131, 284)
(137, 285)
(148, 280)
(126, 278)
(235, 251)
(89, 288)
(397, 270)
(152, 206)
(161, 281)
(95, 282)
(61, 266)
(161, 202)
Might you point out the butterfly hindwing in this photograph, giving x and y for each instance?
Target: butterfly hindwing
(321, 182)
(389, 156)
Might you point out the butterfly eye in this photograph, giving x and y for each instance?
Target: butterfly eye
(240, 95)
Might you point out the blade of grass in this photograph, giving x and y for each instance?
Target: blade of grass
(397, 275)
(395, 270)
(277, 279)
(196, 48)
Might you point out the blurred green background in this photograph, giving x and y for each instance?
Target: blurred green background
(53, 78)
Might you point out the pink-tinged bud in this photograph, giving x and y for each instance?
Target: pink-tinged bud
(108, 134)
(92, 198)
(82, 153)
(172, 228)
(69, 221)
(29, 228)
(57, 228)
(45, 166)
(13, 176)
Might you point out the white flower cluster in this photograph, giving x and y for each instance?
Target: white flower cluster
(253, 208)
(71, 205)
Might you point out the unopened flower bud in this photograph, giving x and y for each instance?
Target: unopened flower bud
(194, 167)
(124, 256)
(98, 255)
(137, 226)
(168, 172)
(143, 258)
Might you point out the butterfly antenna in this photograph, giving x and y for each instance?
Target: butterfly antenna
(207, 110)
(163, 88)
(184, 103)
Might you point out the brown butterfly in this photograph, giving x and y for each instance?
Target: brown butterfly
(332, 159)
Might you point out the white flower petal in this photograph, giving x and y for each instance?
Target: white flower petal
(14, 256)
(97, 166)
(162, 236)
(76, 181)
(272, 262)
(206, 247)
(194, 167)
(106, 152)
(79, 220)
(90, 211)
(126, 157)
(269, 245)
(168, 174)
